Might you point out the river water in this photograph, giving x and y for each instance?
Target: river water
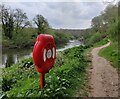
(12, 56)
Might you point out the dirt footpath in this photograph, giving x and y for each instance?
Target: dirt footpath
(104, 78)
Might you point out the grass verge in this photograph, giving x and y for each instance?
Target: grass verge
(67, 76)
(111, 54)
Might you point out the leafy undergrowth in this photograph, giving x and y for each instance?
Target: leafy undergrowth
(67, 76)
(111, 54)
(102, 42)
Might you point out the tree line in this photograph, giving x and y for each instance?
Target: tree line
(15, 20)
(19, 32)
(105, 25)
(106, 20)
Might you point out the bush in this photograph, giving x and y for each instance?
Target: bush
(60, 38)
(96, 38)
(113, 31)
(24, 38)
(27, 38)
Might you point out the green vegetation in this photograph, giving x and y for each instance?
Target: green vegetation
(111, 53)
(69, 73)
(42, 24)
(104, 27)
(28, 36)
(18, 31)
(100, 43)
(67, 76)
(23, 39)
(60, 38)
(97, 37)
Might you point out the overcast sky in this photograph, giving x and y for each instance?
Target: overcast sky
(70, 15)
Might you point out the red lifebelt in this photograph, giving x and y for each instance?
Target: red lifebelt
(44, 53)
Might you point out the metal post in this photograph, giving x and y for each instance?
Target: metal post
(42, 80)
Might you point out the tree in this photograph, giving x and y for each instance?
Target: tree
(97, 23)
(20, 20)
(110, 14)
(107, 22)
(7, 21)
(12, 20)
(41, 23)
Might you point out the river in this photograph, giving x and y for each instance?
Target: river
(12, 56)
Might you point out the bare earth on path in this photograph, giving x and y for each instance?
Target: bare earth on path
(104, 77)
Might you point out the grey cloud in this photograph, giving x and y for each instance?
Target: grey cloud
(62, 14)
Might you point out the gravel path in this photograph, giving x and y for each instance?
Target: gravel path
(104, 78)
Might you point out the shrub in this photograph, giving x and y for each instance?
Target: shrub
(96, 38)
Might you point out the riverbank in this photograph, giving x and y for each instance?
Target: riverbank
(12, 56)
(27, 37)
(8, 44)
(67, 76)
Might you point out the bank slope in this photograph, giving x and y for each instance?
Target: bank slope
(64, 79)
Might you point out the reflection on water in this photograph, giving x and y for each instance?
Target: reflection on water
(72, 43)
(9, 59)
(12, 56)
